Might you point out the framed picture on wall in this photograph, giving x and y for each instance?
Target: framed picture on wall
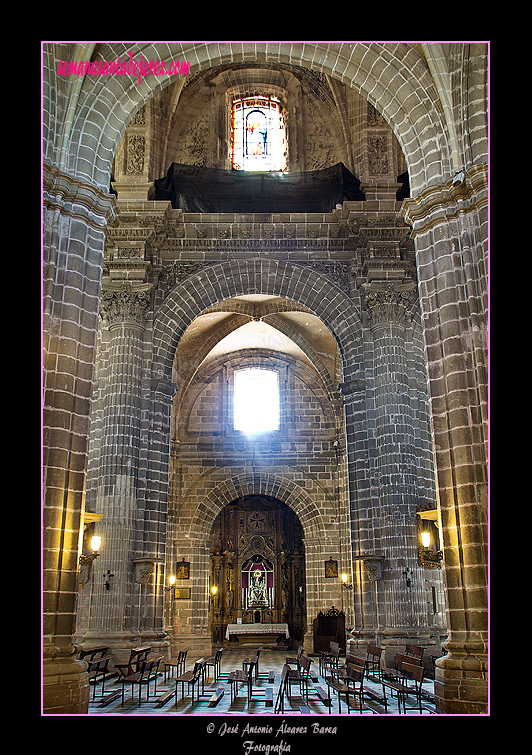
(182, 570)
(331, 568)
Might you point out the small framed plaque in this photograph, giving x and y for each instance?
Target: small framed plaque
(182, 593)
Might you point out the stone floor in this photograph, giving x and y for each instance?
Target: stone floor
(262, 704)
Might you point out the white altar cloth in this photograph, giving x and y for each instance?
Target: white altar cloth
(256, 629)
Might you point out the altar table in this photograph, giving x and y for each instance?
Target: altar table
(256, 632)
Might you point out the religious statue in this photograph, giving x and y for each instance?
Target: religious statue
(258, 592)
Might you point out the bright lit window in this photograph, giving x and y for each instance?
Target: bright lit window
(258, 135)
(256, 401)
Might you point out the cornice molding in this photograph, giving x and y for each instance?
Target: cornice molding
(76, 197)
(465, 192)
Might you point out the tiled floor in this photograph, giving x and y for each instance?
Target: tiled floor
(270, 661)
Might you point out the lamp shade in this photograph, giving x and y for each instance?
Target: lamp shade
(95, 543)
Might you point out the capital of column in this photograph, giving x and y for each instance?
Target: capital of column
(389, 303)
(125, 305)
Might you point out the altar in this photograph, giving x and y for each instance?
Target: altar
(256, 633)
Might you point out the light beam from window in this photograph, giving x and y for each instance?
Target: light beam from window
(256, 401)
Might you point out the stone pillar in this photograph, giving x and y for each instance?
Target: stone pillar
(75, 214)
(389, 306)
(450, 232)
(116, 613)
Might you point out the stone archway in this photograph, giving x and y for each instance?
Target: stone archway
(449, 219)
(321, 541)
(255, 275)
(394, 78)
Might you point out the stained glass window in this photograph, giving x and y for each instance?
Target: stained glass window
(258, 138)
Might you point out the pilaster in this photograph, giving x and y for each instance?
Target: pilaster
(75, 214)
(450, 230)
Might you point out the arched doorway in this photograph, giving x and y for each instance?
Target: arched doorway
(257, 570)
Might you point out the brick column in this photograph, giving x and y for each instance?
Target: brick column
(75, 214)
(388, 306)
(450, 233)
(115, 604)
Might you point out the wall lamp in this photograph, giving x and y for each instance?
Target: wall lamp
(171, 581)
(85, 561)
(96, 542)
(344, 582)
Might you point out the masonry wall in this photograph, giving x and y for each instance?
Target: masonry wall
(304, 455)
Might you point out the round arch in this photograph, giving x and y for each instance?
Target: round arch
(239, 277)
(230, 488)
(392, 76)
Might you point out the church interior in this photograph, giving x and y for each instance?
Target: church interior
(265, 357)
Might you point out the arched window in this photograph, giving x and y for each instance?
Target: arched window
(257, 136)
(256, 401)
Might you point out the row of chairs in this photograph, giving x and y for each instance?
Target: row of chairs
(330, 659)
(141, 671)
(403, 680)
(346, 680)
(138, 670)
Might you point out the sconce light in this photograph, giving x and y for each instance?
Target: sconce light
(214, 589)
(344, 582)
(171, 581)
(85, 561)
(107, 578)
(430, 555)
(96, 542)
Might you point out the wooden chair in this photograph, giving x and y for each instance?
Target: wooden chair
(97, 671)
(341, 671)
(192, 678)
(325, 656)
(413, 685)
(283, 689)
(304, 676)
(178, 663)
(216, 662)
(147, 673)
(341, 689)
(331, 659)
(373, 660)
(407, 682)
(399, 659)
(415, 651)
(91, 654)
(295, 661)
(255, 660)
(136, 657)
(354, 679)
(236, 678)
